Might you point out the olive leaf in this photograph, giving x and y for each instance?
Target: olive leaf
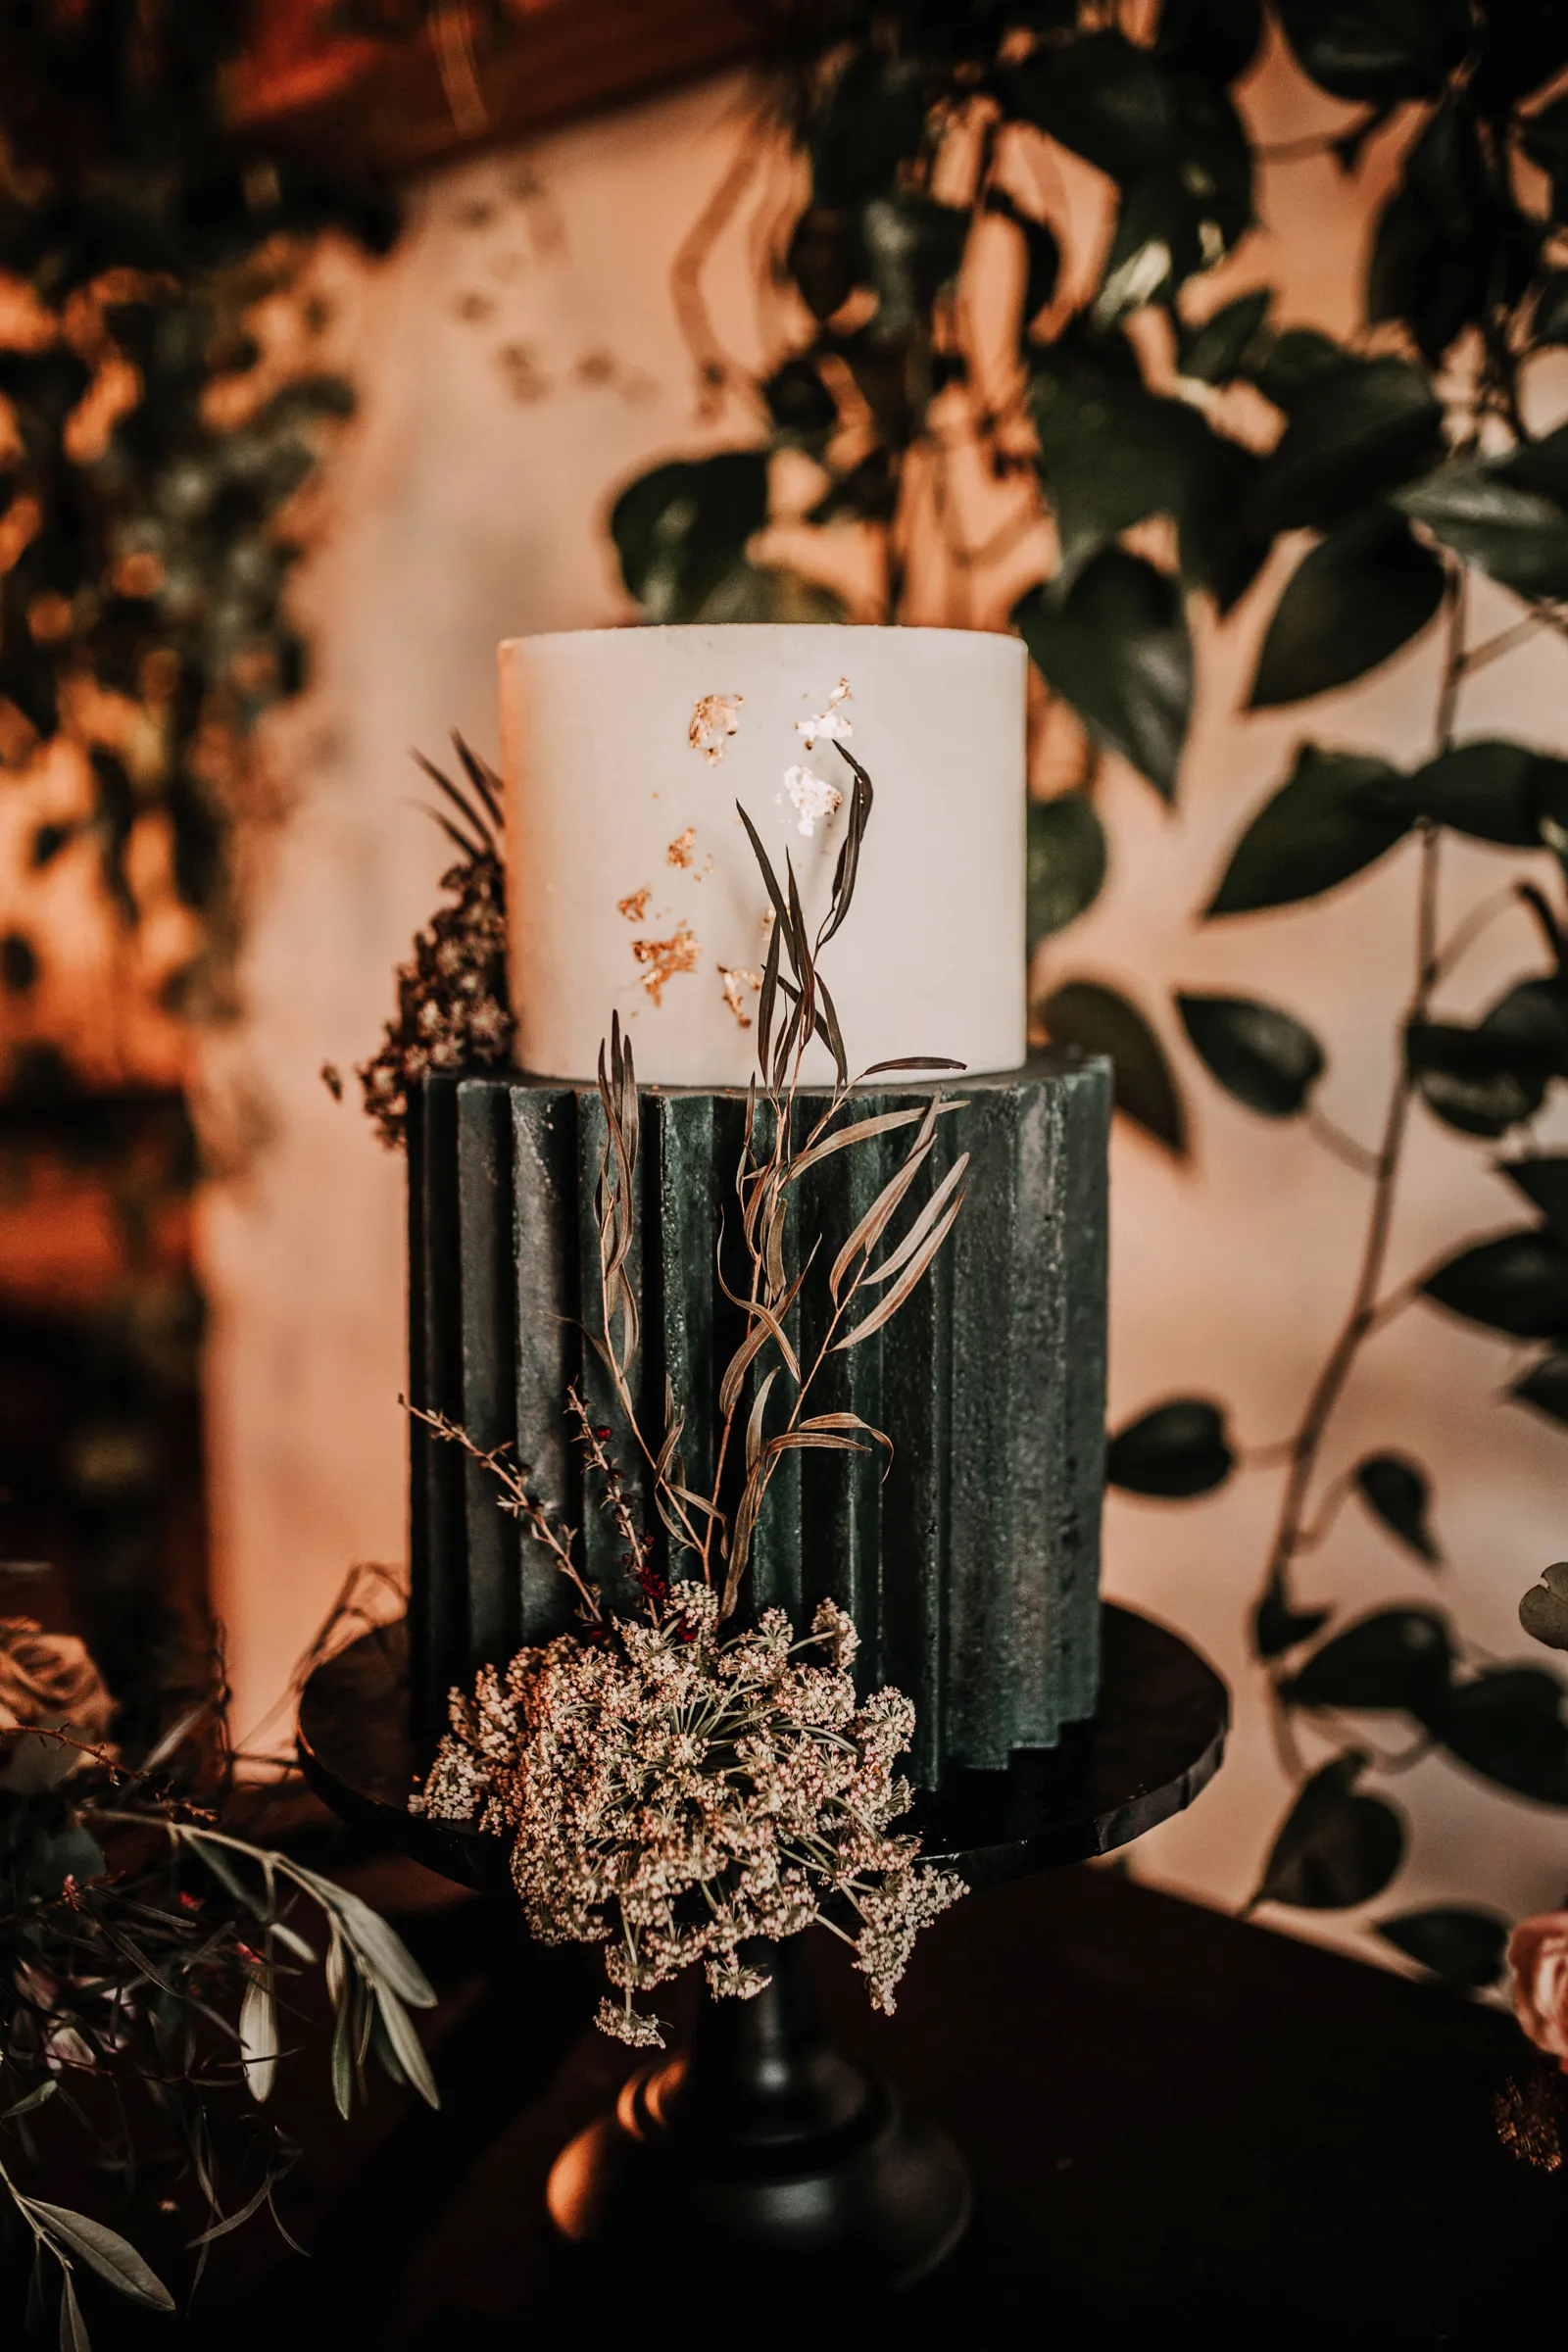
(1398, 1491)
(1335, 1847)
(1084, 1013)
(1264, 1057)
(114, 2258)
(1507, 516)
(1177, 1450)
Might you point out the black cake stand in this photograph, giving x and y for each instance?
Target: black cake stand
(760, 2135)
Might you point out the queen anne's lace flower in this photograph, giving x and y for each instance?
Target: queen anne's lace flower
(673, 1797)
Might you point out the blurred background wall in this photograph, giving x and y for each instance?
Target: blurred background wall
(517, 359)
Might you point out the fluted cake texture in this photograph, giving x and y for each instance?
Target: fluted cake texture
(971, 1568)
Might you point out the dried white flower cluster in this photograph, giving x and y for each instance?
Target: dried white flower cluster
(674, 1797)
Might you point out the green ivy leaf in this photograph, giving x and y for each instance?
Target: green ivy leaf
(1329, 821)
(1214, 353)
(871, 120)
(1380, 50)
(768, 593)
(682, 528)
(1117, 649)
(1103, 97)
(1506, 516)
(914, 247)
(1296, 364)
(1506, 1723)
(1265, 1057)
(1112, 455)
(1081, 1013)
(1545, 1386)
(1361, 595)
(1543, 1178)
(1354, 434)
(1464, 1947)
(1334, 1849)
(1066, 862)
(1177, 1450)
(1393, 1659)
(1552, 308)
(1397, 1489)
(1516, 1283)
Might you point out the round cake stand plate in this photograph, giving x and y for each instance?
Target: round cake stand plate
(760, 2135)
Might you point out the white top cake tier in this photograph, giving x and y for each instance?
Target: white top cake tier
(631, 886)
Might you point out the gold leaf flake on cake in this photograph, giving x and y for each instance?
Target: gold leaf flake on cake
(812, 798)
(715, 717)
(831, 725)
(662, 958)
(634, 905)
(679, 852)
(735, 980)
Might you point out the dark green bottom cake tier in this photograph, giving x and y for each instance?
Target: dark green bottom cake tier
(971, 1568)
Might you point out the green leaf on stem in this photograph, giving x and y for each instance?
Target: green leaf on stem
(1507, 516)
(1264, 1057)
(1490, 790)
(1334, 1849)
(682, 528)
(1117, 649)
(1278, 1628)
(1480, 1083)
(1353, 601)
(1543, 1178)
(1506, 1723)
(1353, 435)
(1398, 1491)
(1327, 822)
(1545, 1386)
(1515, 1282)
(1082, 1013)
(1466, 1948)
(1393, 1658)
(1383, 51)
(1214, 353)
(1176, 1450)
(1066, 862)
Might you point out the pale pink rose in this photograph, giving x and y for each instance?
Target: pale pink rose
(1538, 1955)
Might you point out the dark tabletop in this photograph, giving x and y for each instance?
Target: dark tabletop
(1171, 2117)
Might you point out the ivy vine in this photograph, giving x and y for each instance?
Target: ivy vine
(1170, 439)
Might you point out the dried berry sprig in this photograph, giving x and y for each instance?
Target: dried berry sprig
(675, 1797)
(454, 1006)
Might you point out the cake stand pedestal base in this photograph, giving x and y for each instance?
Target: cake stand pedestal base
(761, 2135)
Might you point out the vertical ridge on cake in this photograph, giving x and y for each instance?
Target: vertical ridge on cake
(969, 1563)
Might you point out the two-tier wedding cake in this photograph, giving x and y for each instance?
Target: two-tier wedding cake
(970, 1564)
